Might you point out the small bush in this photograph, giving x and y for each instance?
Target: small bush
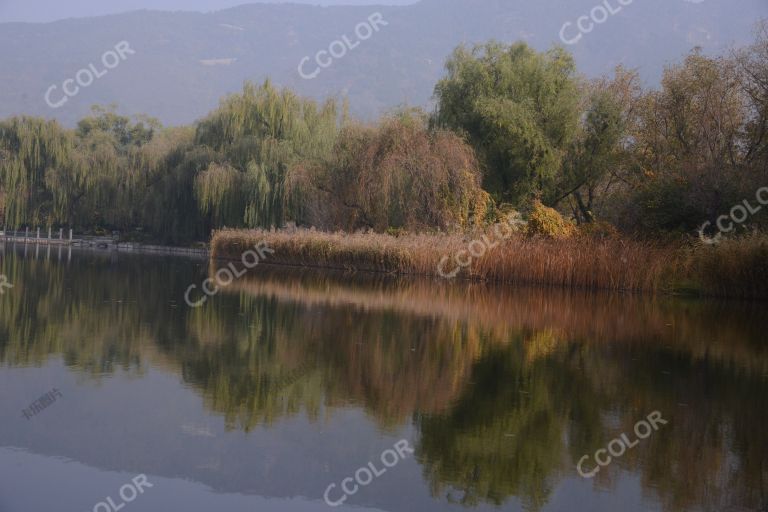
(548, 223)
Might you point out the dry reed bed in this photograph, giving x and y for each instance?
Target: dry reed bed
(612, 264)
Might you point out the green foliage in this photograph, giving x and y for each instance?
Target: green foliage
(113, 173)
(29, 149)
(260, 134)
(105, 120)
(109, 173)
(519, 109)
(598, 153)
(663, 204)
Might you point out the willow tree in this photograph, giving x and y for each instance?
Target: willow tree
(259, 134)
(219, 193)
(395, 174)
(118, 156)
(30, 148)
(163, 181)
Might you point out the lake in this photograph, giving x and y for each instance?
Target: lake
(300, 390)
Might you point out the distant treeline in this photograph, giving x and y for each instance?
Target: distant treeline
(511, 126)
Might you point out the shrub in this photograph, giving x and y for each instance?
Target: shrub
(733, 268)
(598, 230)
(548, 223)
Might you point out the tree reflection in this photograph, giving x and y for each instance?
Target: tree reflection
(508, 388)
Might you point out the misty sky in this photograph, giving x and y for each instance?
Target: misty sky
(51, 10)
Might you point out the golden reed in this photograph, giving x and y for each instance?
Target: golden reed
(734, 268)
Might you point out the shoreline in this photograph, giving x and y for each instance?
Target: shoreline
(584, 264)
(129, 247)
(732, 270)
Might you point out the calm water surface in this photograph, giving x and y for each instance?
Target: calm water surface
(289, 381)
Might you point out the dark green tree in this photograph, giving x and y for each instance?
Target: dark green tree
(520, 110)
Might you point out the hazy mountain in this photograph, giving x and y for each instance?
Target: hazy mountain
(185, 61)
(52, 10)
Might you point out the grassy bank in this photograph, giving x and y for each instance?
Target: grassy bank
(731, 269)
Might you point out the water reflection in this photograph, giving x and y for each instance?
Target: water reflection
(504, 389)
